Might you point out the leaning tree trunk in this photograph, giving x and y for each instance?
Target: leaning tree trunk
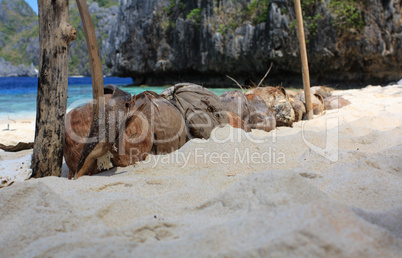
(55, 35)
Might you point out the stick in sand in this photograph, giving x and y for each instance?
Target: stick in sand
(303, 55)
(98, 120)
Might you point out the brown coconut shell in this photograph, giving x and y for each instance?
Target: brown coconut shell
(78, 126)
(325, 92)
(135, 142)
(335, 102)
(86, 143)
(200, 107)
(317, 102)
(277, 100)
(236, 103)
(165, 122)
(292, 93)
(299, 108)
(261, 116)
(236, 122)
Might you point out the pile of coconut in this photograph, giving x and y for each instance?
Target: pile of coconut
(132, 127)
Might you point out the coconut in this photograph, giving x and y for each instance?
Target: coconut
(292, 93)
(276, 98)
(335, 102)
(237, 103)
(88, 145)
(299, 108)
(236, 122)
(317, 102)
(200, 107)
(325, 92)
(165, 122)
(135, 142)
(261, 116)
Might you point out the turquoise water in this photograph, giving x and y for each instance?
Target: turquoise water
(18, 94)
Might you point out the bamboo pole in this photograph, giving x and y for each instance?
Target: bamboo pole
(98, 126)
(304, 61)
(94, 55)
(55, 35)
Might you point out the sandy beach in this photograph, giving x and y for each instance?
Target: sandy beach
(328, 187)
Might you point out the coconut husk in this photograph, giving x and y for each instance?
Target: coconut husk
(236, 122)
(277, 100)
(299, 108)
(335, 102)
(261, 116)
(292, 93)
(236, 103)
(325, 92)
(87, 148)
(317, 102)
(135, 142)
(200, 107)
(164, 121)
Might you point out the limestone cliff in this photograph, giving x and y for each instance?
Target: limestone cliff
(165, 41)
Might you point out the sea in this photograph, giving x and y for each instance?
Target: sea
(18, 94)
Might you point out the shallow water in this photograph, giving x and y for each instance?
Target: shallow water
(18, 94)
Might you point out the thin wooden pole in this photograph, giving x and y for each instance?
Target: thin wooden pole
(304, 61)
(94, 55)
(55, 35)
(98, 126)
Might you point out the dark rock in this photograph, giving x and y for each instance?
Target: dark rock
(9, 70)
(157, 43)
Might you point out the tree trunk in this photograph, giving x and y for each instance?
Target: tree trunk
(55, 35)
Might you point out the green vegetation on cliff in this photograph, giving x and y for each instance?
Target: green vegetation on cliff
(348, 14)
(19, 34)
(18, 24)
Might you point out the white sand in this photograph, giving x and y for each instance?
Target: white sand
(332, 189)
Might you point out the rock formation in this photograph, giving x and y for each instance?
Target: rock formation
(161, 41)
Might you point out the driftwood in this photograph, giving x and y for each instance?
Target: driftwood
(19, 147)
(201, 108)
(55, 35)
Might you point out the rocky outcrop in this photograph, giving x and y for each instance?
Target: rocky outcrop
(9, 70)
(103, 19)
(162, 41)
(19, 34)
